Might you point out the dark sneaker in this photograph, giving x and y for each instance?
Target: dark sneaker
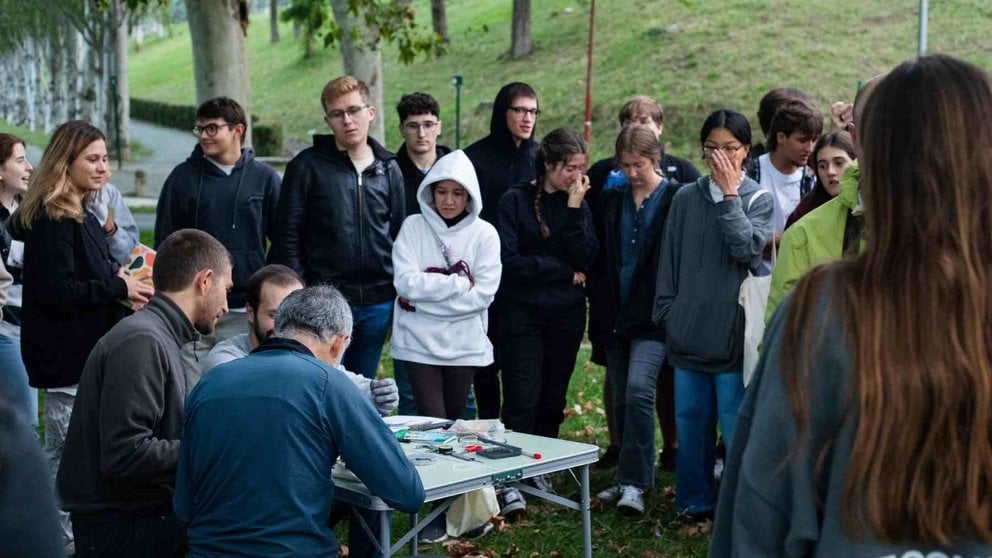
(512, 503)
(436, 531)
(478, 532)
(542, 482)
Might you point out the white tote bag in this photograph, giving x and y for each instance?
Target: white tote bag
(754, 298)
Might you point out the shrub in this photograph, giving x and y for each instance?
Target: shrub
(267, 138)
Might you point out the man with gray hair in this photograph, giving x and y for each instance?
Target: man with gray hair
(262, 433)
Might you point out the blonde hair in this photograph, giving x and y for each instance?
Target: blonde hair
(341, 86)
(642, 104)
(50, 190)
(639, 140)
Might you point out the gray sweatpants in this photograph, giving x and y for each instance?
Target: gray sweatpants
(58, 410)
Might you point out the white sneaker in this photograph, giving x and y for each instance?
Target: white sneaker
(609, 495)
(631, 499)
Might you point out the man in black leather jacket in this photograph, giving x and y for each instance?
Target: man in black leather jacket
(341, 206)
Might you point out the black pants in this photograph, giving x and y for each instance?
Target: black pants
(145, 535)
(487, 396)
(359, 543)
(538, 351)
(440, 391)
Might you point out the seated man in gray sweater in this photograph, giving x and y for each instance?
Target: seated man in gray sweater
(266, 290)
(119, 462)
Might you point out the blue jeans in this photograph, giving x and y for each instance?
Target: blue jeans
(634, 367)
(700, 399)
(14, 380)
(368, 335)
(408, 405)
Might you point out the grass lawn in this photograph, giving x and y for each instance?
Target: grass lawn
(693, 56)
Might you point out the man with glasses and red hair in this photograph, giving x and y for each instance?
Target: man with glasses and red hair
(222, 190)
(342, 206)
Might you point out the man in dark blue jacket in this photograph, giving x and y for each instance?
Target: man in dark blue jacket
(261, 436)
(222, 190)
(342, 205)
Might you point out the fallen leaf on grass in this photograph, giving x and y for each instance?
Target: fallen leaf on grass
(555, 554)
(696, 529)
(343, 550)
(669, 492)
(615, 548)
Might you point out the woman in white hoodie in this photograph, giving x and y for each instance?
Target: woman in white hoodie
(446, 263)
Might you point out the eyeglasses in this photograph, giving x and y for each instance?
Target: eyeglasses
(415, 127)
(350, 111)
(520, 111)
(210, 129)
(728, 150)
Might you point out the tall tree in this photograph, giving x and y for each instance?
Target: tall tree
(439, 20)
(309, 16)
(521, 44)
(274, 21)
(119, 40)
(361, 58)
(217, 31)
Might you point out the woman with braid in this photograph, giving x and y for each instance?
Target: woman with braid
(547, 243)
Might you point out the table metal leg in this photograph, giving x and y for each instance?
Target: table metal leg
(586, 514)
(384, 535)
(414, 520)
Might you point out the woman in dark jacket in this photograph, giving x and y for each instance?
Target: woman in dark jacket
(547, 244)
(634, 218)
(71, 284)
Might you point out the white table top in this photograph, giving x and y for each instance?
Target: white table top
(449, 476)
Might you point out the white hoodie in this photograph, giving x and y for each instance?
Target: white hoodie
(449, 323)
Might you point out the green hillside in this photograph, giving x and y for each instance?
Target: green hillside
(693, 55)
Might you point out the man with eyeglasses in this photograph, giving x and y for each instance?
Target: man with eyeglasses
(420, 125)
(222, 190)
(342, 205)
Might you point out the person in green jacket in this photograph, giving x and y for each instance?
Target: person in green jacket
(821, 236)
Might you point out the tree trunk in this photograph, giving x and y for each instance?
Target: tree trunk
(274, 21)
(362, 60)
(29, 78)
(521, 44)
(439, 18)
(119, 36)
(220, 62)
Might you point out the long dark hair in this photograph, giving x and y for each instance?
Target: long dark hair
(557, 147)
(917, 309)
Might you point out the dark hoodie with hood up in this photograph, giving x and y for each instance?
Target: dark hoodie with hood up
(238, 210)
(499, 162)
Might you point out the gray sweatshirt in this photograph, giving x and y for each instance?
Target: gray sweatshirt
(707, 249)
(122, 445)
(768, 501)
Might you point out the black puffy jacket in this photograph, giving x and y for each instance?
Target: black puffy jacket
(331, 230)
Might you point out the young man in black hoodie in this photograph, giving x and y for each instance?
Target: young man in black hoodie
(341, 208)
(503, 158)
(118, 468)
(222, 190)
(420, 125)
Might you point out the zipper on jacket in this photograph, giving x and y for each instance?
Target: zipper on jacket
(361, 230)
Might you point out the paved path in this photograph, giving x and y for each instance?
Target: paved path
(168, 148)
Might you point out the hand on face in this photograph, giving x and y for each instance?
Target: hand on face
(725, 174)
(577, 191)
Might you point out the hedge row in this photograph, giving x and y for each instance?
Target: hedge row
(267, 138)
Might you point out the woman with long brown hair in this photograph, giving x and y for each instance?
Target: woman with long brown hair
(868, 430)
(72, 286)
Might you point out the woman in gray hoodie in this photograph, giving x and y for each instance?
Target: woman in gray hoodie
(715, 233)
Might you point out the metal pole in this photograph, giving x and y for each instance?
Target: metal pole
(588, 127)
(924, 15)
(458, 110)
(117, 121)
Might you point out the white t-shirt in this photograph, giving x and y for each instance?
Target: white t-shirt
(226, 169)
(362, 164)
(784, 189)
